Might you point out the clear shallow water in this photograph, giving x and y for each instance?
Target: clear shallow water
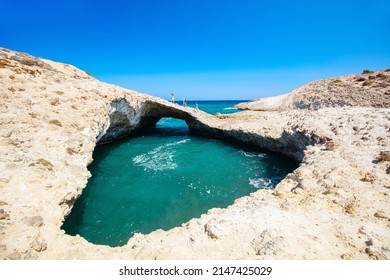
(165, 177)
(212, 107)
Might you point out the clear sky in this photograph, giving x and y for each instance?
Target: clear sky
(204, 49)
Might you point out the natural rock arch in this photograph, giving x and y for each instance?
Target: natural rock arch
(125, 119)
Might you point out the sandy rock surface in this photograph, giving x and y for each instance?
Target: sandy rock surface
(335, 205)
(367, 89)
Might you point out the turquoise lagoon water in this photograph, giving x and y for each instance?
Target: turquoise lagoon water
(166, 176)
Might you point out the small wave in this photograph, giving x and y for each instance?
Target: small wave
(160, 158)
(179, 142)
(230, 108)
(261, 183)
(253, 154)
(156, 161)
(248, 154)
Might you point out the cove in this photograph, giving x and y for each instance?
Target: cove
(164, 177)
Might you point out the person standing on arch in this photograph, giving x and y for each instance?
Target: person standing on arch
(196, 106)
(172, 98)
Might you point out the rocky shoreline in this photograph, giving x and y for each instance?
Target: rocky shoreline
(335, 205)
(367, 89)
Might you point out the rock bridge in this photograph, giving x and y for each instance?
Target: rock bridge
(126, 118)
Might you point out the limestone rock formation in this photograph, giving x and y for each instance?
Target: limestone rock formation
(368, 89)
(335, 205)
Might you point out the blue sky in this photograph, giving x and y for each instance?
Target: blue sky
(204, 49)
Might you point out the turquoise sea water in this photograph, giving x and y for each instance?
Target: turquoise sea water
(212, 107)
(165, 177)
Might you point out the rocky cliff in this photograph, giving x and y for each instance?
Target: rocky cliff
(368, 89)
(335, 205)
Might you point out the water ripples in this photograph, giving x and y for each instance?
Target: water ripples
(160, 158)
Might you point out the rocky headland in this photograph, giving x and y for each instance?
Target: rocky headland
(335, 205)
(367, 89)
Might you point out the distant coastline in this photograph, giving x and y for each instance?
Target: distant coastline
(212, 100)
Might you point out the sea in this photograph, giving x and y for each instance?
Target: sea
(165, 176)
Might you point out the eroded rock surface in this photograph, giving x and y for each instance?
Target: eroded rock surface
(368, 89)
(334, 206)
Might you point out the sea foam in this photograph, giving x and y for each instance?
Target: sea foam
(253, 154)
(160, 158)
(261, 183)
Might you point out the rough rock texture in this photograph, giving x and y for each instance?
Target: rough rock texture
(335, 205)
(368, 89)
